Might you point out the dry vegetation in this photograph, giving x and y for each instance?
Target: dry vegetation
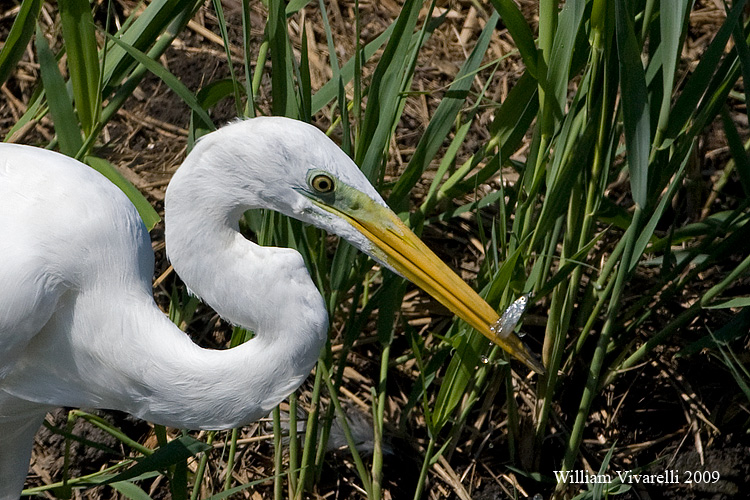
(680, 411)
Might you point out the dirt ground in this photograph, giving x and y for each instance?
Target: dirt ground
(675, 415)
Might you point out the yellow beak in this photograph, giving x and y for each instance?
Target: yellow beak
(397, 245)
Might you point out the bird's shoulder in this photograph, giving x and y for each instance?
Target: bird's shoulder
(65, 213)
(42, 185)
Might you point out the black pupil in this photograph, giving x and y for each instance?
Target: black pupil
(322, 184)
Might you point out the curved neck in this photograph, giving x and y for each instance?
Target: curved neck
(159, 374)
(263, 289)
(183, 385)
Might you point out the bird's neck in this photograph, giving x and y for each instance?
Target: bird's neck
(147, 367)
(264, 289)
(183, 385)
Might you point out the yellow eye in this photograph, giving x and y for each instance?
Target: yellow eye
(322, 183)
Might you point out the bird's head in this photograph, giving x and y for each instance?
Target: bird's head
(297, 170)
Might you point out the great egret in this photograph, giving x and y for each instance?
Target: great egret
(78, 323)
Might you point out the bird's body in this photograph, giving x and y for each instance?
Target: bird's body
(78, 323)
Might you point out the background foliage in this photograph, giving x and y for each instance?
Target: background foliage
(555, 149)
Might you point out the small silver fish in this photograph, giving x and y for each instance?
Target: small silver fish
(511, 316)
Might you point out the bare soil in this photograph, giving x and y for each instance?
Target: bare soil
(684, 415)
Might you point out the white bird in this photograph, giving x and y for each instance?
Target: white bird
(78, 323)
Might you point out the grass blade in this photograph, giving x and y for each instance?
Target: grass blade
(329, 91)
(384, 93)
(146, 211)
(58, 99)
(129, 490)
(18, 37)
(228, 51)
(561, 58)
(83, 60)
(698, 82)
(743, 54)
(142, 34)
(208, 97)
(295, 6)
(443, 120)
(303, 78)
(671, 20)
(172, 82)
(176, 451)
(520, 31)
(634, 103)
(282, 87)
(741, 159)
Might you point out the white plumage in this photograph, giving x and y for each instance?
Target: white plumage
(78, 323)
